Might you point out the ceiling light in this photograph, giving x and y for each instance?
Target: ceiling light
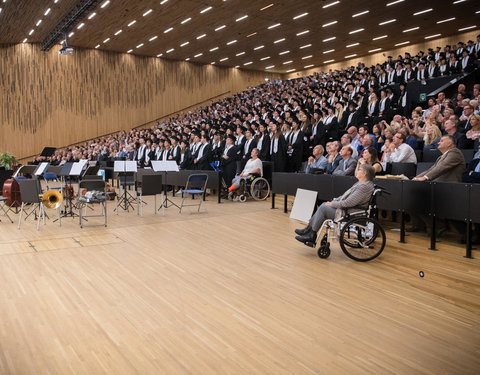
(153, 38)
(248, 63)
(168, 30)
(352, 45)
(387, 22)
(270, 67)
(446, 20)
(131, 23)
(308, 66)
(252, 34)
(186, 20)
(147, 12)
(467, 28)
(374, 50)
(224, 59)
(264, 58)
(71, 34)
(198, 55)
(241, 18)
(201, 36)
(187, 59)
(220, 27)
(48, 11)
(356, 31)
(213, 49)
(98, 46)
(257, 48)
(31, 32)
(163, 2)
(349, 56)
(212, 63)
(305, 46)
(104, 4)
(307, 57)
(459, 1)
(290, 70)
(266, 7)
(184, 44)
(331, 4)
(328, 61)
(160, 55)
(284, 52)
(303, 32)
(380, 37)
(40, 21)
(170, 50)
(237, 66)
(329, 51)
(360, 14)
(329, 39)
(140, 45)
(25, 40)
(432, 36)
(395, 2)
(300, 16)
(274, 26)
(205, 10)
(118, 32)
(240, 53)
(231, 42)
(423, 11)
(279, 40)
(287, 62)
(401, 44)
(408, 30)
(330, 24)
(129, 51)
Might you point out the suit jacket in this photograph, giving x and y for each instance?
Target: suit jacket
(473, 177)
(333, 165)
(447, 168)
(350, 166)
(203, 163)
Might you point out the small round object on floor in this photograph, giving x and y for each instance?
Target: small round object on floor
(324, 251)
(421, 274)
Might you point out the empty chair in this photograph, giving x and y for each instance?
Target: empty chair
(151, 184)
(407, 169)
(51, 177)
(431, 155)
(468, 154)
(31, 193)
(422, 167)
(92, 192)
(196, 185)
(419, 155)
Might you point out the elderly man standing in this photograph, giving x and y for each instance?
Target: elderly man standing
(317, 161)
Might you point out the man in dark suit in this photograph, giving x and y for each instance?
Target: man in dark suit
(466, 63)
(461, 140)
(228, 160)
(464, 125)
(346, 166)
(248, 146)
(203, 155)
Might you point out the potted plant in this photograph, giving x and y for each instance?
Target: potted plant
(7, 160)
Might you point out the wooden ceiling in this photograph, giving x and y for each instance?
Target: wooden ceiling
(250, 42)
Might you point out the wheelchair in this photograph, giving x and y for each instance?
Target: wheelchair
(254, 186)
(360, 235)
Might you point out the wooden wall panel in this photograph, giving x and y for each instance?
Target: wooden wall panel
(52, 100)
(380, 57)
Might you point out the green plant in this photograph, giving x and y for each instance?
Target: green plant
(7, 160)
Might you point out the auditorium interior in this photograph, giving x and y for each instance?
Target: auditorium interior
(239, 187)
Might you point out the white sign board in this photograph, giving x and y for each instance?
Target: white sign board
(303, 205)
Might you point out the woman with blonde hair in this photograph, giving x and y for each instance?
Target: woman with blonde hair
(474, 133)
(432, 137)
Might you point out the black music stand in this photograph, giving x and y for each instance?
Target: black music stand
(48, 151)
(166, 167)
(68, 171)
(125, 169)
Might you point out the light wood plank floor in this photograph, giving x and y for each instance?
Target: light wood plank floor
(228, 291)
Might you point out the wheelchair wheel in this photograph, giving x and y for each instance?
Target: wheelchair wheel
(362, 239)
(242, 198)
(324, 249)
(260, 189)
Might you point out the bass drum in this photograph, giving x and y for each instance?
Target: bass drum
(11, 191)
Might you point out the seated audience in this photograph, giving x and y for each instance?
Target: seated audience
(317, 163)
(346, 166)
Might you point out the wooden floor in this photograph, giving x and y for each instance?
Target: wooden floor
(228, 291)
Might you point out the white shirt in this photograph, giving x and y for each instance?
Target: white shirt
(403, 154)
(252, 165)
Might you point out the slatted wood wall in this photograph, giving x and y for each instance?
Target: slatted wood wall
(380, 57)
(52, 100)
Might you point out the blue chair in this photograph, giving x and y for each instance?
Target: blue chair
(196, 185)
(50, 176)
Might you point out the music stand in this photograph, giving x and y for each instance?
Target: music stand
(165, 167)
(48, 151)
(124, 169)
(41, 169)
(70, 170)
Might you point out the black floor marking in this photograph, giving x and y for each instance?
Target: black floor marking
(32, 246)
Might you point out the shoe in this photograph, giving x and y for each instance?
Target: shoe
(309, 237)
(303, 231)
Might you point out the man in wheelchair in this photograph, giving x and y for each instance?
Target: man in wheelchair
(253, 167)
(354, 199)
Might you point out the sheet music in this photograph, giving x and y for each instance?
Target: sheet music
(41, 169)
(131, 166)
(77, 169)
(119, 166)
(165, 166)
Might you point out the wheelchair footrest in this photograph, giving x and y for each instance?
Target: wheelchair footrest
(311, 244)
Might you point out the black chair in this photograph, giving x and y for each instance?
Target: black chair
(151, 184)
(431, 156)
(407, 169)
(422, 167)
(468, 154)
(419, 155)
(91, 192)
(31, 193)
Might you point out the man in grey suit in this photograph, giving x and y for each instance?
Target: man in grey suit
(448, 167)
(357, 197)
(347, 165)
